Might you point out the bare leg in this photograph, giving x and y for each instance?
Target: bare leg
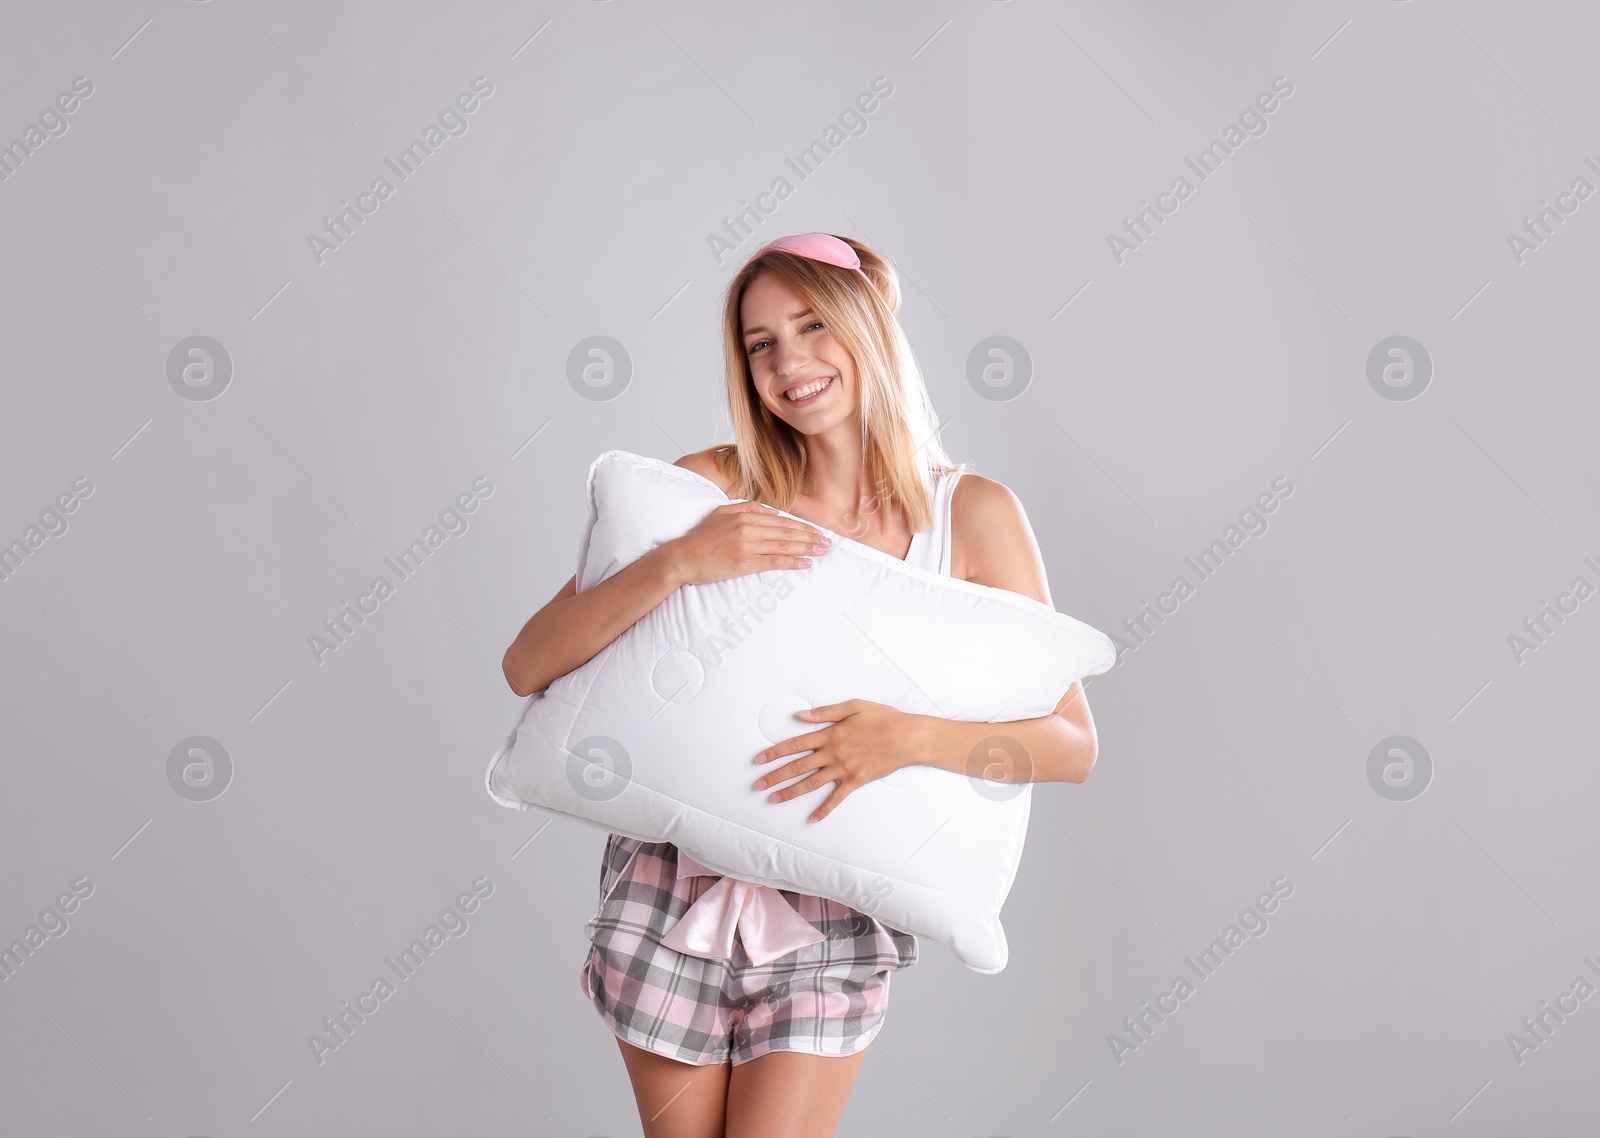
(676, 1100)
(790, 1094)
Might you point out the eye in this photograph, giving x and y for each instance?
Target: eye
(756, 347)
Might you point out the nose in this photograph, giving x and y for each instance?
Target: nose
(788, 357)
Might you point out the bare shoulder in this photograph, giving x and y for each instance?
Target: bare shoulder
(992, 542)
(713, 463)
(985, 514)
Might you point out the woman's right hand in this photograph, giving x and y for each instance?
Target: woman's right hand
(742, 538)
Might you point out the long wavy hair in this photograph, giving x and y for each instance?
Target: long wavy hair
(900, 448)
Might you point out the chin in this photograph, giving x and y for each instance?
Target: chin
(814, 426)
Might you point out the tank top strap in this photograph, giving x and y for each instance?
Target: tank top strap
(930, 548)
(943, 512)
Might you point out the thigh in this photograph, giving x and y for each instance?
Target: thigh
(790, 1094)
(676, 1100)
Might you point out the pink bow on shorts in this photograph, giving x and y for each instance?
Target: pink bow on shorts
(768, 925)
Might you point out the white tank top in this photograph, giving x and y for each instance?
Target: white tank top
(930, 548)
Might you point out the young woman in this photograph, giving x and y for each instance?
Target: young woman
(763, 1033)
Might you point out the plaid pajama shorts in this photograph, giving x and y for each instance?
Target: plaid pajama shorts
(827, 998)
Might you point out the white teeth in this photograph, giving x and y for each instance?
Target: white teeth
(800, 393)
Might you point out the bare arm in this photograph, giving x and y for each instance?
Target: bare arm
(573, 627)
(1061, 746)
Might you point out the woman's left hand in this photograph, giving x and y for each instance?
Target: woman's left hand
(867, 741)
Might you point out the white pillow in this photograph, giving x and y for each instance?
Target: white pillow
(655, 737)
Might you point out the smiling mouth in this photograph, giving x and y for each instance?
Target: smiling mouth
(813, 392)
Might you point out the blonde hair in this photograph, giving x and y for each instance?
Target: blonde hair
(900, 447)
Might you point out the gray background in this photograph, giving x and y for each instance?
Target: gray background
(371, 389)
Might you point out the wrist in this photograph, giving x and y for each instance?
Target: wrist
(926, 739)
(664, 563)
(948, 743)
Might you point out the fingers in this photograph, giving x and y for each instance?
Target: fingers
(750, 537)
(816, 780)
(811, 764)
(789, 529)
(790, 547)
(818, 777)
(840, 792)
(772, 547)
(800, 541)
(832, 712)
(810, 741)
(760, 514)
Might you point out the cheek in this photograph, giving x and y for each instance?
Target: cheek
(771, 404)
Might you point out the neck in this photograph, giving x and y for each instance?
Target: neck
(836, 475)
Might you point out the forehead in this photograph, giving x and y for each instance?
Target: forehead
(769, 298)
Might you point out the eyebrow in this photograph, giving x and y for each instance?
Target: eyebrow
(748, 332)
